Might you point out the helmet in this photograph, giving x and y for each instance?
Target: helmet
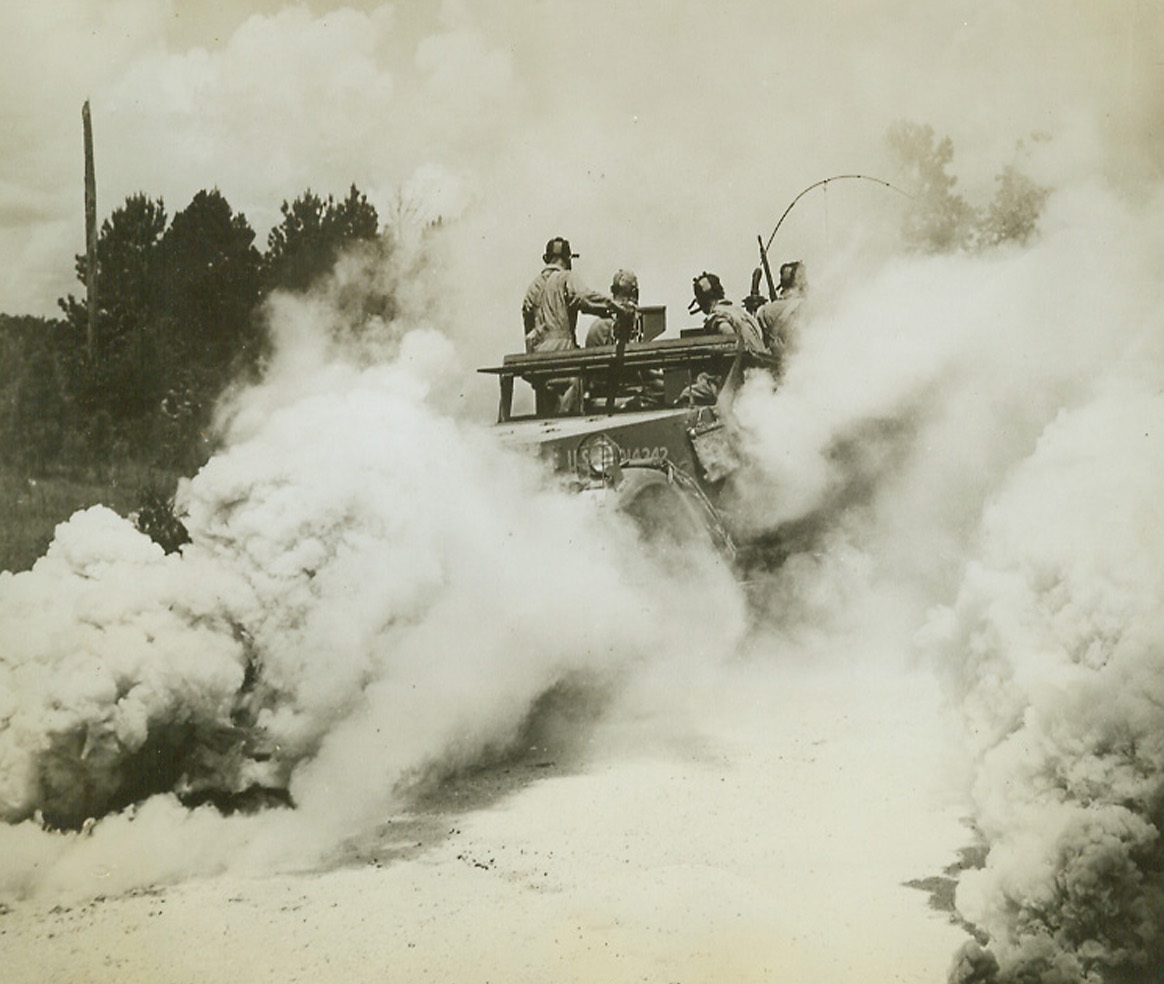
(707, 287)
(558, 249)
(792, 276)
(625, 283)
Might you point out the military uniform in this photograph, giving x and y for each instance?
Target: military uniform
(721, 317)
(550, 309)
(778, 319)
(725, 318)
(549, 315)
(601, 332)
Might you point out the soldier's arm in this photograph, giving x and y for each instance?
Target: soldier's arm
(588, 301)
(718, 324)
(529, 307)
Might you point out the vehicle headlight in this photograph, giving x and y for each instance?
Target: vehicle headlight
(598, 457)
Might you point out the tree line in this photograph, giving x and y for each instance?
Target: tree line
(179, 300)
(939, 220)
(178, 303)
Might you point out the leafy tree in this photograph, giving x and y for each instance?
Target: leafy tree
(1014, 213)
(11, 372)
(176, 319)
(939, 220)
(121, 375)
(127, 266)
(313, 234)
(175, 310)
(211, 285)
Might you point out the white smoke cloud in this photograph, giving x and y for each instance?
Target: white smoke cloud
(1052, 646)
(1055, 638)
(106, 646)
(352, 528)
(373, 593)
(973, 436)
(932, 377)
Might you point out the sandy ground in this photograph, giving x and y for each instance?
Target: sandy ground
(772, 843)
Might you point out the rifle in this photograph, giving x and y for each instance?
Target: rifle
(767, 269)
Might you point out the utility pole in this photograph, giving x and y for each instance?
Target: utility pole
(90, 232)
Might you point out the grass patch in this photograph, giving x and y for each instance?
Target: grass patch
(31, 508)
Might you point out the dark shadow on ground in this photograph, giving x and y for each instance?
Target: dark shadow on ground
(552, 742)
(941, 888)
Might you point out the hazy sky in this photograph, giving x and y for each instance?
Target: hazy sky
(659, 135)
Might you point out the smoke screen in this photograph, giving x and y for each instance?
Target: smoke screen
(375, 592)
(961, 465)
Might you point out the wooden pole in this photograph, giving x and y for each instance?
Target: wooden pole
(90, 231)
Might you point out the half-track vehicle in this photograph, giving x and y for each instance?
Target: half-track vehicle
(649, 427)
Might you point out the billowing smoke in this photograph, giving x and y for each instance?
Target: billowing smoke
(1056, 644)
(920, 384)
(962, 457)
(111, 651)
(374, 595)
(969, 445)
(959, 460)
(1056, 640)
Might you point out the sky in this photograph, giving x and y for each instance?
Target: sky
(660, 136)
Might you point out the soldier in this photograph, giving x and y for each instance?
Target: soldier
(721, 316)
(778, 317)
(624, 290)
(641, 387)
(549, 312)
